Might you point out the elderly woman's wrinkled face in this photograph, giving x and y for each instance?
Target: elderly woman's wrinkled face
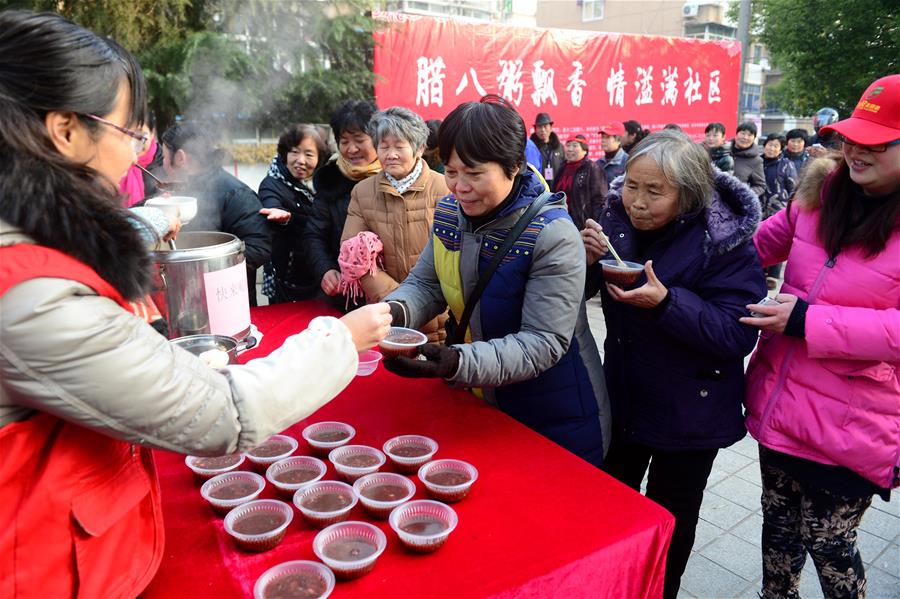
(650, 200)
(479, 188)
(397, 156)
(356, 148)
(796, 145)
(574, 152)
(302, 159)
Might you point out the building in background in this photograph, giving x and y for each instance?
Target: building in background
(646, 17)
(511, 12)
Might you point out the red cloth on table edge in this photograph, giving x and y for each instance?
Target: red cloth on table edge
(553, 526)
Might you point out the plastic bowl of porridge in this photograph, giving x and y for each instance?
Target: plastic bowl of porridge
(291, 473)
(259, 525)
(325, 502)
(350, 549)
(619, 275)
(381, 492)
(423, 525)
(409, 452)
(353, 461)
(401, 341)
(300, 579)
(205, 468)
(229, 490)
(448, 480)
(325, 436)
(276, 447)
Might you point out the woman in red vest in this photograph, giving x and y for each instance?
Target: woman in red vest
(85, 384)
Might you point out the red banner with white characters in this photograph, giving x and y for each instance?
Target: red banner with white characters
(582, 79)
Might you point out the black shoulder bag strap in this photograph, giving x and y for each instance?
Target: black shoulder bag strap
(459, 333)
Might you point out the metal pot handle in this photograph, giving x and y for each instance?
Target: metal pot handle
(248, 343)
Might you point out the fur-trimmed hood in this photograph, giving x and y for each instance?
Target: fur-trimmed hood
(730, 218)
(90, 229)
(809, 188)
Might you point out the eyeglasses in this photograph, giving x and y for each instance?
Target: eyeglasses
(877, 148)
(138, 140)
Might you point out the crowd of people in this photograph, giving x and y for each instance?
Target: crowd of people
(484, 238)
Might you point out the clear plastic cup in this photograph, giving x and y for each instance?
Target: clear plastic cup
(205, 468)
(229, 490)
(401, 341)
(353, 461)
(408, 452)
(291, 473)
(368, 362)
(381, 492)
(300, 578)
(619, 275)
(325, 502)
(259, 525)
(423, 525)
(448, 480)
(350, 549)
(276, 447)
(325, 436)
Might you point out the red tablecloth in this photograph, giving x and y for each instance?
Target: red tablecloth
(539, 521)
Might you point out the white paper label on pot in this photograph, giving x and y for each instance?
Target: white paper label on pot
(226, 300)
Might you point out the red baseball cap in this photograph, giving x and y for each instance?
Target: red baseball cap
(876, 119)
(613, 128)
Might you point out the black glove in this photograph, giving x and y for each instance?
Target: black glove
(398, 313)
(440, 361)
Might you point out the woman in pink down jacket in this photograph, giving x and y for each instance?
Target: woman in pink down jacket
(823, 388)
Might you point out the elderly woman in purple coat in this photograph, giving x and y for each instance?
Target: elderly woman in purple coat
(674, 346)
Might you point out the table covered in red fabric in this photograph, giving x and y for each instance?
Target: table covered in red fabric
(539, 521)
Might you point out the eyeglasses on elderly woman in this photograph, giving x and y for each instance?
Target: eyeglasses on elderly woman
(138, 140)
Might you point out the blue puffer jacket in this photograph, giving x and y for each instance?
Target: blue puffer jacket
(675, 374)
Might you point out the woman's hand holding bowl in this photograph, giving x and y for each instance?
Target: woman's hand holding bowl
(648, 295)
(776, 315)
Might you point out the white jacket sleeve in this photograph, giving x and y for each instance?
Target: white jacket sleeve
(294, 381)
(81, 357)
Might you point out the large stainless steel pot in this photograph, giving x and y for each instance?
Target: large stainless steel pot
(193, 283)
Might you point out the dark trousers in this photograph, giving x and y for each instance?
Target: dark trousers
(799, 518)
(676, 481)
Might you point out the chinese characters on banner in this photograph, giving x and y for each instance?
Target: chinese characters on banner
(582, 79)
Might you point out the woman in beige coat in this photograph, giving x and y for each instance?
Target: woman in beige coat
(397, 204)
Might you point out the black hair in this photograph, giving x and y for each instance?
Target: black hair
(844, 220)
(50, 64)
(433, 126)
(747, 126)
(294, 135)
(486, 131)
(776, 137)
(634, 128)
(196, 141)
(798, 133)
(674, 127)
(715, 127)
(353, 116)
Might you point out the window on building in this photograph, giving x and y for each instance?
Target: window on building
(750, 98)
(592, 10)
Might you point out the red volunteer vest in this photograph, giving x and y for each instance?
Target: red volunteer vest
(80, 512)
